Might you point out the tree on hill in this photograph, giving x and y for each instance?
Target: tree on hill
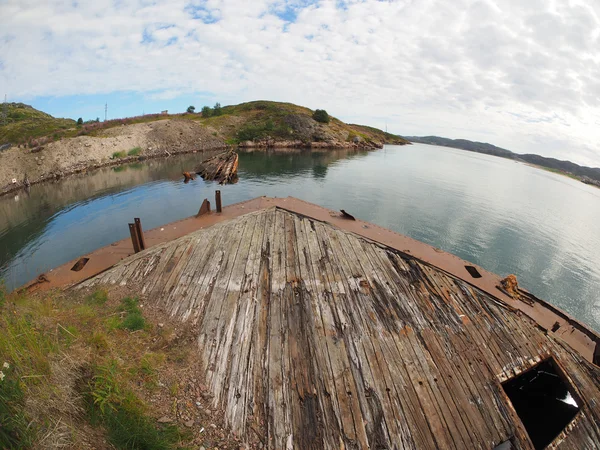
(320, 115)
(217, 111)
(191, 109)
(79, 121)
(206, 111)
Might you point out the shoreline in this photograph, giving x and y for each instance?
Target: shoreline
(57, 174)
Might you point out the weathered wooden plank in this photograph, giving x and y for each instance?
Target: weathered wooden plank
(241, 344)
(258, 371)
(334, 324)
(279, 421)
(328, 422)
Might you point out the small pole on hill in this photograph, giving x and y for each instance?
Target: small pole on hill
(105, 111)
(4, 111)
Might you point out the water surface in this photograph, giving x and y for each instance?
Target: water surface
(504, 216)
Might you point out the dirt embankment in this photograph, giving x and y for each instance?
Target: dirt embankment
(20, 165)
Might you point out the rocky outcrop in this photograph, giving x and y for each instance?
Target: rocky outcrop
(280, 143)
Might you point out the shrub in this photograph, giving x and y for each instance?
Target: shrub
(134, 151)
(206, 111)
(191, 109)
(217, 110)
(117, 155)
(79, 122)
(320, 115)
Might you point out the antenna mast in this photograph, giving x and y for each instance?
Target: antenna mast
(105, 111)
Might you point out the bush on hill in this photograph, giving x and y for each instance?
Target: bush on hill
(320, 115)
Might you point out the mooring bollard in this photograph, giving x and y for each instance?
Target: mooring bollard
(140, 233)
(134, 237)
(218, 200)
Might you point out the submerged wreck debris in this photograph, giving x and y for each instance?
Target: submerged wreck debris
(187, 176)
(221, 168)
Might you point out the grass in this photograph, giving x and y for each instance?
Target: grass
(113, 405)
(134, 151)
(118, 155)
(14, 430)
(65, 365)
(133, 320)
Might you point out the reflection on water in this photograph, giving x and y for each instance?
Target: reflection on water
(502, 215)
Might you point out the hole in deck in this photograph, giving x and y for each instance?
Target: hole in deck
(80, 264)
(473, 271)
(543, 400)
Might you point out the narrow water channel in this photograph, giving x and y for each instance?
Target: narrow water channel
(505, 216)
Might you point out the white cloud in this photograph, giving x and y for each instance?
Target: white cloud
(523, 75)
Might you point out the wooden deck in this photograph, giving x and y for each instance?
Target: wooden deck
(315, 337)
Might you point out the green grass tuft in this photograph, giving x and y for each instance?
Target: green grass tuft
(98, 297)
(123, 414)
(14, 429)
(133, 320)
(134, 151)
(117, 155)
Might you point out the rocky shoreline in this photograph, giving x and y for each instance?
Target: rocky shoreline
(275, 143)
(56, 175)
(61, 172)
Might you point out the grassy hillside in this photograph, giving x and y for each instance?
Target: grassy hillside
(24, 123)
(250, 121)
(285, 121)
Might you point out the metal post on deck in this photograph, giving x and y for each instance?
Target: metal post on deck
(134, 237)
(140, 233)
(218, 200)
(204, 208)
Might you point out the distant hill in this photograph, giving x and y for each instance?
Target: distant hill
(24, 122)
(581, 172)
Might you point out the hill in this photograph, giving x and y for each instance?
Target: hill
(590, 175)
(263, 123)
(38, 147)
(24, 123)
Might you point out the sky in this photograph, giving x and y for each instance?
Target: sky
(520, 74)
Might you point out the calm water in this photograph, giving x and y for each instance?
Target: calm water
(505, 216)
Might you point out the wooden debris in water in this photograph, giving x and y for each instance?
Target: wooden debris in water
(221, 168)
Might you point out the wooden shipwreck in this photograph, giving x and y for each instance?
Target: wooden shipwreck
(322, 332)
(221, 168)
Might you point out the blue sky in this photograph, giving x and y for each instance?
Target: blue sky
(521, 75)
